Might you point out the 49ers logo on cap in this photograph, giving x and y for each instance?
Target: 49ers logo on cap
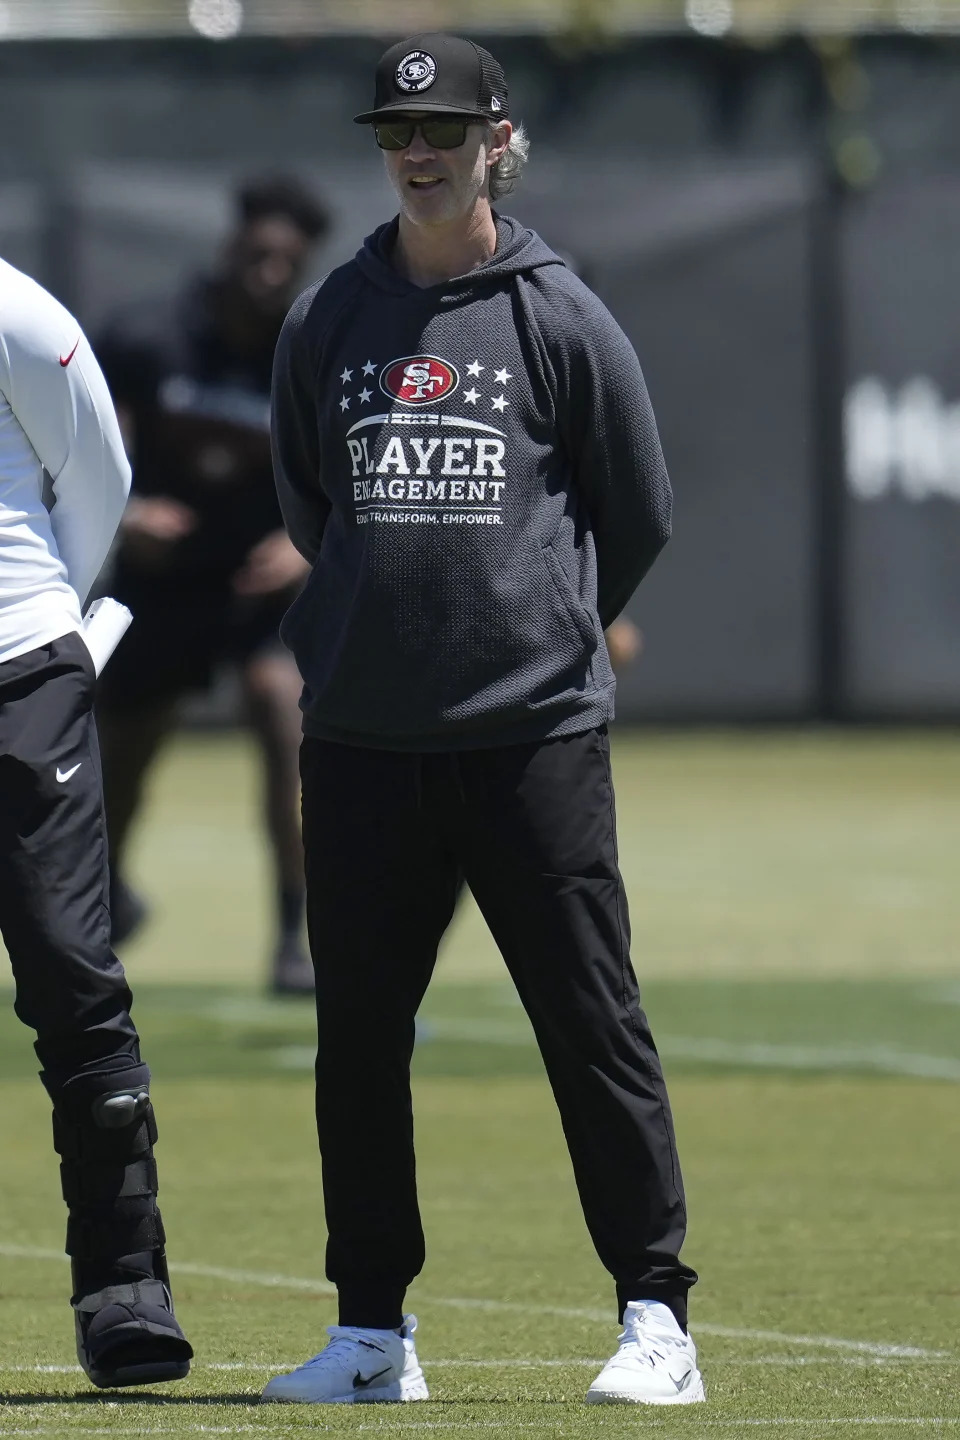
(418, 379)
(416, 71)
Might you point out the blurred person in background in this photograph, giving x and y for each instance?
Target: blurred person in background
(64, 480)
(203, 560)
(465, 452)
(624, 643)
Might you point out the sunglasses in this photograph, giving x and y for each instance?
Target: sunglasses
(446, 134)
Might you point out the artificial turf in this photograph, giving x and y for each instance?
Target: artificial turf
(815, 1093)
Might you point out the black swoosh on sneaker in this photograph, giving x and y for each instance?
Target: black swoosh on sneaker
(359, 1383)
(683, 1382)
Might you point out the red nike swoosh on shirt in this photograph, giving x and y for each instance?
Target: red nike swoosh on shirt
(73, 352)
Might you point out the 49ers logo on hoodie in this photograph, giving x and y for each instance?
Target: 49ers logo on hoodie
(419, 379)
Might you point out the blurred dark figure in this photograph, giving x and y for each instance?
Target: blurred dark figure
(203, 560)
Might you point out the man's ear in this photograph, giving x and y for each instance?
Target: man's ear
(499, 140)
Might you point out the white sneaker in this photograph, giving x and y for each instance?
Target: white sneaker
(356, 1367)
(656, 1363)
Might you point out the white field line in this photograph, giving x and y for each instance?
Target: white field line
(940, 994)
(884, 1059)
(772, 1362)
(877, 1059)
(825, 1342)
(321, 1287)
(204, 1272)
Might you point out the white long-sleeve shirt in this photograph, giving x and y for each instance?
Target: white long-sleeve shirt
(64, 477)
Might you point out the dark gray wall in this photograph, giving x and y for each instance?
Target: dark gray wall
(902, 510)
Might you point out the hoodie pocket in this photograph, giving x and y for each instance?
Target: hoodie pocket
(570, 599)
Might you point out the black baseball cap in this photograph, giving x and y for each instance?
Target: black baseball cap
(439, 73)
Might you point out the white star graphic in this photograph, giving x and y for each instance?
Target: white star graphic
(365, 395)
(345, 403)
(475, 369)
(347, 375)
(499, 403)
(369, 368)
(502, 377)
(471, 396)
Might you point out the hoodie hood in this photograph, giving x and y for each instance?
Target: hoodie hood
(519, 251)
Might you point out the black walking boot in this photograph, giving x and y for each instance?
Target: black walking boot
(126, 1330)
(127, 1333)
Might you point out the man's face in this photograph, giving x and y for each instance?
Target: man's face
(266, 260)
(436, 186)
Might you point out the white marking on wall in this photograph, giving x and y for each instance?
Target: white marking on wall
(901, 440)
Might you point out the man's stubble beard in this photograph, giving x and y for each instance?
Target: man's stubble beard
(460, 203)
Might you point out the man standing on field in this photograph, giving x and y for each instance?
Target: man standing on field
(64, 481)
(465, 452)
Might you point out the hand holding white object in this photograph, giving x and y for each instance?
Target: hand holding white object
(104, 626)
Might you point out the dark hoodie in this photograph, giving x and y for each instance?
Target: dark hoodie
(474, 472)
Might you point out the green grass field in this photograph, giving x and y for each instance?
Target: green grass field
(796, 913)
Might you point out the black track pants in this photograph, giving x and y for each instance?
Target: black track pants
(53, 867)
(532, 828)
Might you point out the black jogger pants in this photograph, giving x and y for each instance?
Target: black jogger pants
(54, 914)
(532, 828)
